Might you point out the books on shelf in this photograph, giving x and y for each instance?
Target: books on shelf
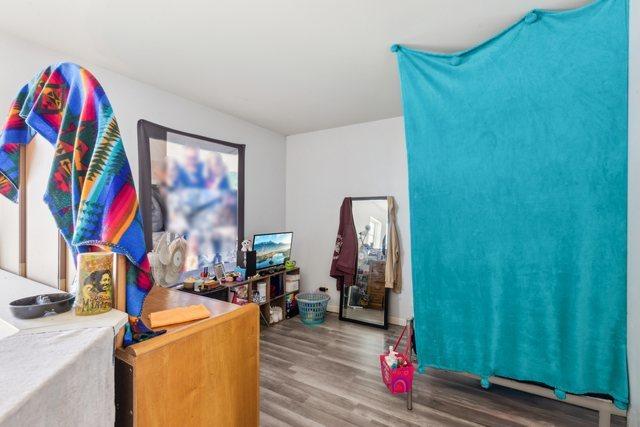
(292, 283)
(290, 306)
(260, 295)
(292, 286)
(239, 294)
(276, 314)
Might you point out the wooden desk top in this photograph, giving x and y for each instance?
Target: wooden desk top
(163, 299)
(201, 373)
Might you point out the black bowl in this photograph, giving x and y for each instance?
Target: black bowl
(29, 308)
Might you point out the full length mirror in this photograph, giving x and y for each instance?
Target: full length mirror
(191, 186)
(366, 300)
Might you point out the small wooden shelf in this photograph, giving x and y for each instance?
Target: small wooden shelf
(278, 277)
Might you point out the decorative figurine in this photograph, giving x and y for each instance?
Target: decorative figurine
(218, 270)
(204, 273)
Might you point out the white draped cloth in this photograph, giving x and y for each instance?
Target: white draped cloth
(57, 378)
(56, 370)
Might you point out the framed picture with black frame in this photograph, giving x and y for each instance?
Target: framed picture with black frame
(192, 186)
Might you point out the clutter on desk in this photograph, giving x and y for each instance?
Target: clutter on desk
(178, 315)
(241, 274)
(198, 286)
(218, 270)
(41, 305)
(189, 283)
(276, 314)
(246, 258)
(289, 264)
(270, 289)
(167, 259)
(260, 294)
(292, 283)
(95, 283)
(239, 294)
(206, 282)
(231, 277)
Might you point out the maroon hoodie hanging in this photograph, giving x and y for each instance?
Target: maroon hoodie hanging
(343, 266)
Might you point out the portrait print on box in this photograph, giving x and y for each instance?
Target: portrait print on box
(95, 283)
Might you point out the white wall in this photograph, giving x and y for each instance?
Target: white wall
(323, 167)
(633, 259)
(133, 100)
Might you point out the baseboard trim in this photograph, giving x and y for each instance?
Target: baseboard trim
(633, 417)
(392, 319)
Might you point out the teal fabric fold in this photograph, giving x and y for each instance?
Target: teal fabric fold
(517, 157)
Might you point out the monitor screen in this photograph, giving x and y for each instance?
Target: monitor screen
(272, 249)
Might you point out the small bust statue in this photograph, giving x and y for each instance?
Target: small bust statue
(246, 245)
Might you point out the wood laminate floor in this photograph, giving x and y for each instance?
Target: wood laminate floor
(329, 375)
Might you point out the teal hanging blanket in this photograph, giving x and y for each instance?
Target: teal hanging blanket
(517, 155)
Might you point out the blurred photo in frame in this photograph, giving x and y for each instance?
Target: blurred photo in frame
(192, 186)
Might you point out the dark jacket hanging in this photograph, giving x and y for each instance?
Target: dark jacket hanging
(343, 266)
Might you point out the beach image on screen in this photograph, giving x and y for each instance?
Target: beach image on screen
(272, 249)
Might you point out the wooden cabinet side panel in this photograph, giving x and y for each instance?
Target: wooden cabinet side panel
(124, 393)
(210, 377)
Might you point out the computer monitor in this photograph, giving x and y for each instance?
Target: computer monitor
(272, 250)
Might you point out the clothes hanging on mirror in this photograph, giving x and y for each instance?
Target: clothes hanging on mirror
(393, 268)
(343, 264)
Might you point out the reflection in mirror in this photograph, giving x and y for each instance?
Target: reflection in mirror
(365, 301)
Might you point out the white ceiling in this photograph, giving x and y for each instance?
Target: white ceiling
(288, 65)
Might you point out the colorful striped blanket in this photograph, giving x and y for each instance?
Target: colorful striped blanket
(90, 193)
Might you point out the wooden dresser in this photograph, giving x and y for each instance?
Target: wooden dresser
(375, 285)
(201, 373)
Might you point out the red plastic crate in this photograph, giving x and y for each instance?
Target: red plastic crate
(398, 380)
